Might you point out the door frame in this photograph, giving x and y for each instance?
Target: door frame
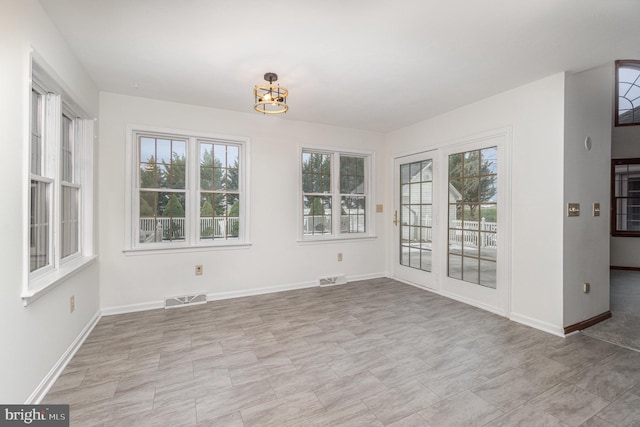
(442, 284)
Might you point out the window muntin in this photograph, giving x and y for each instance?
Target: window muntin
(625, 220)
(416, 214)
(335, 194)
(189, 191)
(627, 93)
(219, 190)
(472, 229)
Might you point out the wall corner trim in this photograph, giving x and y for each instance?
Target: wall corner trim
(47, 382)
(587, 323)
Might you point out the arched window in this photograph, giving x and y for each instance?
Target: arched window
(627, 93)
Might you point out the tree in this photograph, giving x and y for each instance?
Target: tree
(472, 174)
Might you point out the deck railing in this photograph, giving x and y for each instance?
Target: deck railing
(164, 228)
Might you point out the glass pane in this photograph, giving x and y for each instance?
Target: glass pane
(488, 246)
(455, 165)
(404, 255)
(352, 218)
(489, 188)
(472, 163)
(455, 189)
(162, 216)
(471, 216)
(39, 225)
(455, 266)
(206, 178)
(219, 178)
(488, 274)
(470, 243)
(178, 152)
(66, 150)
(404, 192)
(427, 216)
(148, 150)
(177, 177)
(471, 189)
(470, 270)
(425, 261)
(206, 154)
(414, 257)
(220, 155)
(427, 170)
(232, 180)
(489, 214)
(317, 215)
(36, 133)
(489, 159)
(163, 150)
(455, 215)
(69, 221)
(426, 192)
(404, 174)
(416, 171)
(414, 193)
(233, 153)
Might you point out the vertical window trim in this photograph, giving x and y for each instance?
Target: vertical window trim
(369, 185)
(192, 242)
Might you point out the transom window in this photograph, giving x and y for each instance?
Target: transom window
(627, 93)
(188, 190)
(335, 194)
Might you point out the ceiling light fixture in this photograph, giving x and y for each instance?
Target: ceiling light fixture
(271, 98)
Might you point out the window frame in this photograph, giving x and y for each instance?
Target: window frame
(621, 64)
(192, 239)
(336, 196)
(55, 104)
(614, 199)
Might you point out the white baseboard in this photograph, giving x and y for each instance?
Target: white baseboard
(537, 324)
(132, 308)
(45, 385)
(215, 296)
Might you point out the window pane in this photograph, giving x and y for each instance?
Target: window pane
(473, 223)
(36, 133)
(69, 229)
(316, 173)
(352, 219)
(162, 216)
(351, 175)
(39, 229)
(628, 93)
(66, 150)
(316, 215)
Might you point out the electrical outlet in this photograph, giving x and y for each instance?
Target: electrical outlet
(199, 270)
(339, 256)
(72, 303)
(586, 287)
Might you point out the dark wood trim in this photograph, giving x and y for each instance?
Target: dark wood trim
(587, 323)
(618, 267)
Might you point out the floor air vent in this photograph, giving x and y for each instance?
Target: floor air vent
(185, 300)
(333, 280)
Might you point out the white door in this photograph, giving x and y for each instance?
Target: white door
(413, 219)
(452, 221)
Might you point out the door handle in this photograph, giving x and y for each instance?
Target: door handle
(395, 218)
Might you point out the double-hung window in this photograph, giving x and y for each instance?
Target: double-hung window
(335, 194)
(187, 190)
(60, 181)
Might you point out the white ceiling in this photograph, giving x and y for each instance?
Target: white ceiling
(367, 64)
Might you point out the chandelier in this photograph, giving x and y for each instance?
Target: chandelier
(271, 98)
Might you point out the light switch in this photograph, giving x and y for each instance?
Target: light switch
(573, 209)
(378, 208)
(596, 209)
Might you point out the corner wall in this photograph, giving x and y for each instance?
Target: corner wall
(275, 260)
(535, 113)
(588, 101)
(34, 338)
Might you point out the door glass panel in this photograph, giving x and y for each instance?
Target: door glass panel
(473, 190)
(416, 204)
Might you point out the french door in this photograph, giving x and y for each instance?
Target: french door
(451, 221)
(413, 219)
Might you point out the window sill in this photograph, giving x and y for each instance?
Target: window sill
(44, 284)
(182, 249)
(341, 239)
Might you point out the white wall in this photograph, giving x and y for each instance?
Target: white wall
(275, 259)
(625, 251)
(34, 337)
(588, 100)
(535, 112)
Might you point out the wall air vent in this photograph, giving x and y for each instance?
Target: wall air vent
(339, 279)
(185, 300)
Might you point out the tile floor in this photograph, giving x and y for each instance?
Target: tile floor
(624, 326)
(370, 353)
